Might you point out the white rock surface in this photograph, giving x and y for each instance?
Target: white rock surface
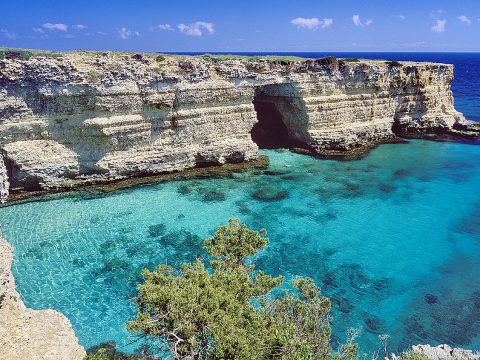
(106, 116)
(4, 183)
(445, 352)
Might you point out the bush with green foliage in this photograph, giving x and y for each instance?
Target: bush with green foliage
(410, 355)
(393, 63)
(228, 310)
(351, 60)
(21, 54)
(160, 58)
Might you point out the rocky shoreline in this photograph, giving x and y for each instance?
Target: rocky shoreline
(68, 119)
(31, 334)
(99, 186)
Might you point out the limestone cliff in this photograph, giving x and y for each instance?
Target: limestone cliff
(27, 333)
(91, 117)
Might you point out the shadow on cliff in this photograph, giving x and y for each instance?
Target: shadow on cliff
(282, 117)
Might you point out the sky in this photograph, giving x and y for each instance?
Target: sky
(242, 25)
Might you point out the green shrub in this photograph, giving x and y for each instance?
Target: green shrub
(393, 63)
(228, 310)
(410, 355)
(26, 54)
(160, 58)
(101, 354)
(351, 60)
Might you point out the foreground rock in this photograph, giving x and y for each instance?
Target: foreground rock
(444, 352)
(27, 333)
(75, 118)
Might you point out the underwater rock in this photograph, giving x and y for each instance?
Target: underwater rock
(214, 195)
(157, 230)
(431, 299)
(386, 188)
(184, 189)
(289, 177)
(185, 244)
(275, 172)
(329, 279)
(358, 279)
(111, 351)
(269, 193)
(413, 326)
(470, 224)
(381, 284)
(374, 325)
(341, 302)
(115, 264)
(401, 173)
(107, 246)
(243, 208)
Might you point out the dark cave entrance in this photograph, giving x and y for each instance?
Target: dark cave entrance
(282, 119)
(270, 132)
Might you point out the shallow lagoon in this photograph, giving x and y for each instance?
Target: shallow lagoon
(393, 239)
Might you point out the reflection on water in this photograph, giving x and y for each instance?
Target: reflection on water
(393, 239)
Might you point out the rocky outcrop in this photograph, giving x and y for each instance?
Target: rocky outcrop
(439, 352)
(27, 333)
(91, 117)
(445, 352)
(4, 184)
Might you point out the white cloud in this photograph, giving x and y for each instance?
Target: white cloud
(464, 19)
(326, 23)
(400, 17)
(8, 34)
(50, 26)
(358, 22)
(311, 23)
(163, 27)
(80, 27)
(439, 26)
(197, 28)
(125, 33)
(38, 30)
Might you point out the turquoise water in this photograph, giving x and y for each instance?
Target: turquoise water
(393, 239)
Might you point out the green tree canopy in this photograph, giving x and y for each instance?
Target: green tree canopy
(229, 311)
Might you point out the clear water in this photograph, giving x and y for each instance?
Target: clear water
(393, 239)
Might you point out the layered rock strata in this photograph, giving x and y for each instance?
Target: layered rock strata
(27, 333)
(92, 117)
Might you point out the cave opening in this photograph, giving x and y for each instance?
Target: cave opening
(270, 132)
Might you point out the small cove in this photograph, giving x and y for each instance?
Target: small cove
(393, 239)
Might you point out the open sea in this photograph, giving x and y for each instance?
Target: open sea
(393, 239)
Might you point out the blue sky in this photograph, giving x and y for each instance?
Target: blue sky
(242, 25)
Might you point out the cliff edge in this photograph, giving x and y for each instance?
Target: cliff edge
(85, 117)
(27, 333)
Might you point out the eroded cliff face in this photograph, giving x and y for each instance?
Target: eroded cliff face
(93, 117)
(27, 333)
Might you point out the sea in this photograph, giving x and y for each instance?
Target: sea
(393, 238)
